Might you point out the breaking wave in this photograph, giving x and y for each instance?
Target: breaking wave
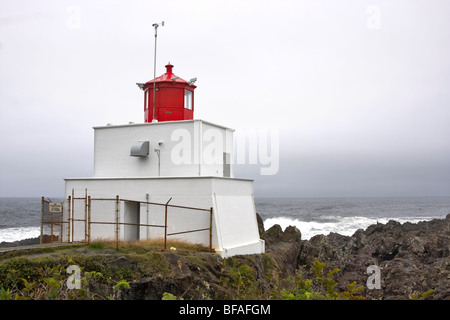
(19, 233)
(343, 225)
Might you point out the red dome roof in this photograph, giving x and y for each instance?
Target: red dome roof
(168, 76)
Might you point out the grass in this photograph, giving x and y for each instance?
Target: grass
(142, 246)
(40, 273)
(137, 247)
(17, 252)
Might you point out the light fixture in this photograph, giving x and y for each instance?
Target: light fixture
(158, 152)
(192, 81)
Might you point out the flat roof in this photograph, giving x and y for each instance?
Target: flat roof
(156, 178)
(109, 126)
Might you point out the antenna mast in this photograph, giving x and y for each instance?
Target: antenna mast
(155, 25)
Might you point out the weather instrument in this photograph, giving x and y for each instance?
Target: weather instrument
(155, 25)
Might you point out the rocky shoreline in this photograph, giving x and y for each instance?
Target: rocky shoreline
(412, 258)
(24, 242)
(413, 261)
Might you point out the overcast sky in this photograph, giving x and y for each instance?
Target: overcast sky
(359, 91)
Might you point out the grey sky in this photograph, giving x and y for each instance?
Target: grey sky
(359, 90)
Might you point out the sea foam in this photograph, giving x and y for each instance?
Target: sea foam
(343, 225)
(19, 233)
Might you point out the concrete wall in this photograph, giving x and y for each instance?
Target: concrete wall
(193, 171)
(188, 148)
(235, 229)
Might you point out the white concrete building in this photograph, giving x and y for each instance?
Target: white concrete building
(187, 161)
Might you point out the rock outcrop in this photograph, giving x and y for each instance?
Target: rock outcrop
(412, 258)
(24, 242)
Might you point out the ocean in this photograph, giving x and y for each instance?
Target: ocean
(314, 216)
(20, 217)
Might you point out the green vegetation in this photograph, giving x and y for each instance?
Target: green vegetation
(106, 274)
(187, 273)
(421, 296)
(42, 274)
(46, 278)
(294, 287)
(322, 287)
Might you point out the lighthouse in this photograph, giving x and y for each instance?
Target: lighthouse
(174, 97)
(169, 177)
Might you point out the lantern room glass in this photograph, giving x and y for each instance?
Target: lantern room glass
(188, 99)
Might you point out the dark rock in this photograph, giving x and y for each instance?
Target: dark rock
(83, 251)
(260, 222)
(283, 247)
(292, 235)
(107, 251)
(121, 262)
(24, 242)
(413, 258)
(285, 255)
(273, 235)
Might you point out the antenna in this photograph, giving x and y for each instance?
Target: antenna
(155, 25)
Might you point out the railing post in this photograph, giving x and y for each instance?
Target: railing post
(210, 227)
(85, 214)
(165, 225)
(117, 221)
(61, 216)
(69, 201)
(51, 225)
(73, 213)
(42, 220)
(89, 219)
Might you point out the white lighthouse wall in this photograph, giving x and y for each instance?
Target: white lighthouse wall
(235, 215)
(187, 148)
(217, 149)
(234, 218)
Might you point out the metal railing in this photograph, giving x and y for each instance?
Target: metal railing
(52, 220)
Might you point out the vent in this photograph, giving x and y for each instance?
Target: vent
(140, 149)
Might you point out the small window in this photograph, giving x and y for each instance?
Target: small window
(145, 99)
(188, 99)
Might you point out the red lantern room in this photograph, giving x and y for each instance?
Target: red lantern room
(174, 97)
